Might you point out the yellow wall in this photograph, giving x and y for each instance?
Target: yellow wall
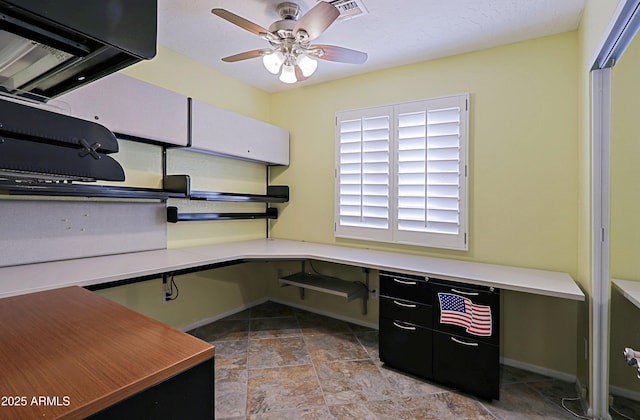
(523, 169)
(202, 295)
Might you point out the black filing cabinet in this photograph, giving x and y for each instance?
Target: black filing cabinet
(466, 337)
(441, 330)
(406, 312)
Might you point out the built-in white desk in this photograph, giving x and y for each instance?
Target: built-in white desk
(16, 280)
(629, 289)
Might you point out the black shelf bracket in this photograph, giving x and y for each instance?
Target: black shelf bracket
(173, 216)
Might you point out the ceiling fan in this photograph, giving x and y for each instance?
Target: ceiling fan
(291, 53)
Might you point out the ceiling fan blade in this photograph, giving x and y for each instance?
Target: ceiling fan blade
(245, 55)
(317, 20)
(340, 54)
(299, 74)
(240, 21)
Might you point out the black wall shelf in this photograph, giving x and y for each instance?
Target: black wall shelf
(66, 189)
(182, 184)
(173, 216)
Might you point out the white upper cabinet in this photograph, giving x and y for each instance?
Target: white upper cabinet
(134, 108)
(225, 133)
(131, 107)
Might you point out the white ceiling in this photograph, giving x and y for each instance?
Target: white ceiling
(394, 32)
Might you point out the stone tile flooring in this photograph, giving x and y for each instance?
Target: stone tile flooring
(277, 362)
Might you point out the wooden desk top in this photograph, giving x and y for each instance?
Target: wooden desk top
(69, 353)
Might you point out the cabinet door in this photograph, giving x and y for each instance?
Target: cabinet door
(406, 347)
(402, 286)
(405, 310)
(467, 311)
(131, 107)
(187, 395)
(469, 365)
(221, 132)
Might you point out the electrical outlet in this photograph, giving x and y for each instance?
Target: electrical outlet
(375, 293)
(584, 392)
(610, 400)
(166, 290)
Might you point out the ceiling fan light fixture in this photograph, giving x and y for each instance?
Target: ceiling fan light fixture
(307, 64)
(288, 74)
(291, 54)
(273, 61)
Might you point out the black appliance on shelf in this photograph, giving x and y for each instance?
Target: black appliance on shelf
(41, 145)
(48, 47)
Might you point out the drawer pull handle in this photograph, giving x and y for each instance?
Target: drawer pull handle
(404, 327)
(406, 305)
(464, 343)
(465, 293)
(411, 283)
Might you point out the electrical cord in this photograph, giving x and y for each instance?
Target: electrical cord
(571, 411)
(590, 418)
(173, 284)
(620, 414)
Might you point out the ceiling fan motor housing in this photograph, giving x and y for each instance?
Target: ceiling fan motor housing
(289, 10)
(283, 28)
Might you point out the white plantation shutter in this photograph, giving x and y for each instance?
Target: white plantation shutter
(401, 173)
(363, 172)
(431, 172)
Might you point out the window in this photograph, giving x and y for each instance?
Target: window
(401, 173)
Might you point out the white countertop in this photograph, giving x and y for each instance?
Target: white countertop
(16, 280)
(630, 289)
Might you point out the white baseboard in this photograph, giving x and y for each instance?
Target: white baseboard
(326, 313)
(583, 401)
(284, 302)
(538, 369)
(222, 315)
(624, 392)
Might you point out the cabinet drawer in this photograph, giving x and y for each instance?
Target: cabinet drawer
(469, 365)
(468, 311)
(404, 310)
(408, 287)
(407, 347)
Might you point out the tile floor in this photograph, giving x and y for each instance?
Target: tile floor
(277, 362)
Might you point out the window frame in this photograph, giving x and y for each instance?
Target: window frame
(392, 234)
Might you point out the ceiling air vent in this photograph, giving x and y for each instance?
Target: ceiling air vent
(349, 9)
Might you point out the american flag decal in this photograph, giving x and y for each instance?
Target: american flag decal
(459, 310)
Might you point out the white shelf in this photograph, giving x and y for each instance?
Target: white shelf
(88, 271)
(330, 285)
(630, 289)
